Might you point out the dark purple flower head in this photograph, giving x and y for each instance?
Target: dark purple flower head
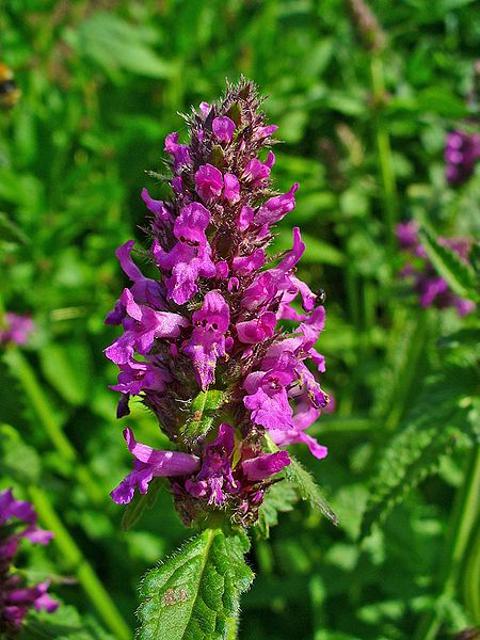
(462, 150)
(16, 328)
(431, 288)
(18, 521)
(217, 316)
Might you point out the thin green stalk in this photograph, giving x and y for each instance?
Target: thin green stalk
(462, 523)
(472, 577)
(77, 563)
(37, 399)
(385, 158)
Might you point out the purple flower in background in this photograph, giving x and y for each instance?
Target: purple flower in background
(217, 320)
(431, 288)
(462, 150)
(18, 521)
(16, 329)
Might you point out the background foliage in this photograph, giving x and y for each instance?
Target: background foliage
(102, 83)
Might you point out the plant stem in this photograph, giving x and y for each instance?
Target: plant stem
(77, 563)
(462, 522)
(385, 158)
(21, 369)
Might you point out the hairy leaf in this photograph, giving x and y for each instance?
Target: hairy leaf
(195, 594)
(442, 415)
(460, 276)
(308, 488)
(281, 497)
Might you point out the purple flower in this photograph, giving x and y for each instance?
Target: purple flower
(18, 520)
(207, 342)
(151, 463)
(16, 329)
(212, 323)
(276, 208)
(179, 152)
(256, 171)
(223, 128)
(208, 182)
(190, 257)
(142, 326)
(432, 289)
(462, 150)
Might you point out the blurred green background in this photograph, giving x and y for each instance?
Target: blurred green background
(102, 83)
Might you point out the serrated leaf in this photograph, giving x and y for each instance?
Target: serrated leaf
(308, 489)
(459, 275)
(280, 498)
(195, 594)
(440, 418)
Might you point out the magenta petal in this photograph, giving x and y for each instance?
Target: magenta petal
(264, 466)
(165, 463)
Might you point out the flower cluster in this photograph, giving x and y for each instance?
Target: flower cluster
(220, 317)
(16, 329)
(17, 521)
(432, 289)
(462, 150)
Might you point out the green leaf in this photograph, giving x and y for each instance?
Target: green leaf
(114, 43)
(10, 232)
(134, 510)
(19, 461)
(308, 488)
(204, 407)
(64, 624)
(68, 370)
(442, 418)
(460, 276)
(195, 594)
(280, 498)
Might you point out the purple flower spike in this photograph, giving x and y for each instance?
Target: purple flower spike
(432, 289)
(462, 150)
(18, 521)
(208, 336)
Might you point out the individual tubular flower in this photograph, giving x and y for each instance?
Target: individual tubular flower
(462, 150)
(16, 328)
(18, 521)
(431, 288)
(218, 319)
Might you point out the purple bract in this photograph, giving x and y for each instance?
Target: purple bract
(217, 317)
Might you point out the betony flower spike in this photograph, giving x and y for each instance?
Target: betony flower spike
(216, 318)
